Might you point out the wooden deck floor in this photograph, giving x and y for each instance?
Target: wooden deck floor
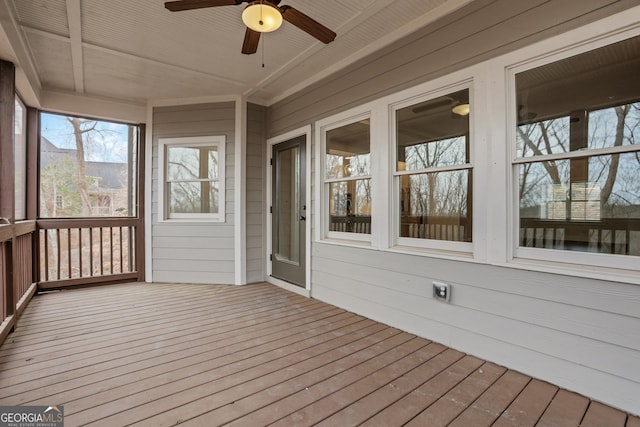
(159, 355)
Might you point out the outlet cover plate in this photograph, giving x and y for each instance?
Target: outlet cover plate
(442, 291)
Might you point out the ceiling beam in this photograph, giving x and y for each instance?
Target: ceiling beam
(27, 78)
(75, 36)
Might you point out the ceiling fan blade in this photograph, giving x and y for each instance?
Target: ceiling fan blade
(251, 39)
(308, 25)
(178, 5)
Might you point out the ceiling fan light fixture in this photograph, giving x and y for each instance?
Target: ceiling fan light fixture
(461, 109)
(262, 16)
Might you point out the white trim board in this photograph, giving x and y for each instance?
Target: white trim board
(306, 132)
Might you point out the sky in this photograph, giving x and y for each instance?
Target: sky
(107, 144)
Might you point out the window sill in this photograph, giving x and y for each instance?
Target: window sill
(346, 242)
(576, 270)
(433, 253)
(192, 221)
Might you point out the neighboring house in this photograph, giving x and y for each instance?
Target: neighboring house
(107, 184)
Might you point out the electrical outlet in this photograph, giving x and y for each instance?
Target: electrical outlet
(441, 291)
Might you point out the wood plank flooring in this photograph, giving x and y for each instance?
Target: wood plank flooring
(197, 355)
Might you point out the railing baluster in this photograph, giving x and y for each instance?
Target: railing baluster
(613, 241)
(627, 246)
(69, 251)
(91, 251)
(80, 250)
(46, 255)
(121, 249)
(111, 248)
(130, 242)
(101, 252)
(59, 261)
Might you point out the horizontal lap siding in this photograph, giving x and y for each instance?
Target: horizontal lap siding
(194, 252)
(256, 146)
(578, 333)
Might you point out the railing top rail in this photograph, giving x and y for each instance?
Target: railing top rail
(55, 223)
(433, 219)
(9, 231)
(617, 223)
(6, 232)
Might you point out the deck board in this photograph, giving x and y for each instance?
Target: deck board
(566, 409)
(602, 415)
(473, 381)
(163, 354)
(529, 406)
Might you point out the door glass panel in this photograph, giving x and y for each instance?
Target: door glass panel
(288, 205)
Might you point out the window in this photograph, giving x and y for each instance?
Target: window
(20, 159)
(347, 178)
(82, 160)
(193, 181)
(433, 172)
(577, 165)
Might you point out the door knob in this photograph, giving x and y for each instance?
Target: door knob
(303, 218)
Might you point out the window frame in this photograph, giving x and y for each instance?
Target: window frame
(20, 206)
(218, 141)
(134, 159)
(418, 243)
(323, 213)
(559, 260)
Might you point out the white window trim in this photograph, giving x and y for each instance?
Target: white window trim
(322, 213)
(590, 37)
(408, 243)
(383, 165)
(306, 132)
(192, 141)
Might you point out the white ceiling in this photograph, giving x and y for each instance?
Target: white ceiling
(137, 51)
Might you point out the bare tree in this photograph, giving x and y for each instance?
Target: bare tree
(621, 115)
(82, 127)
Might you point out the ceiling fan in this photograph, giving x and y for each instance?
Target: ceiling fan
(261, 16)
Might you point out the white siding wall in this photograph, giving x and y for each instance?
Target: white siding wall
(197, 252)
(582, 334)
(256, 147)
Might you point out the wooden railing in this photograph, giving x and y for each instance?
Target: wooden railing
(17, 284)
(350, 224)
(452, 228)
(615, 236)
(89, 250)
(419, 227)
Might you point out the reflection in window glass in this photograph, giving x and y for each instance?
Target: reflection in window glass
(433, 170)
(446, 152)
(348, 171)
(435, 205)
(192, 179)
(543, 137)
(348, 151)
(580, 199)
(192, 163)
(288, 207)
(193, 197)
